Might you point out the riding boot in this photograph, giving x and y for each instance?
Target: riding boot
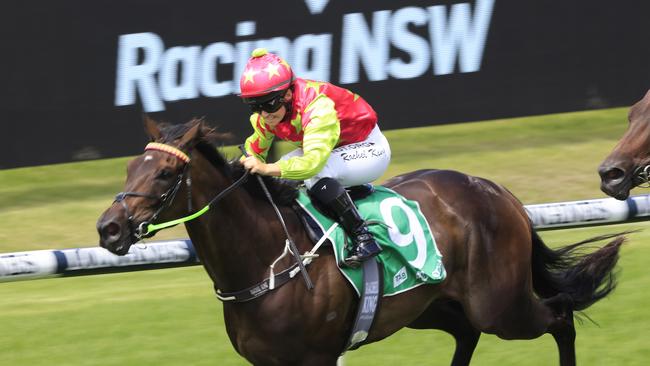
(337, 204)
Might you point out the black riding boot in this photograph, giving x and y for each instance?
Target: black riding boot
(337, 203)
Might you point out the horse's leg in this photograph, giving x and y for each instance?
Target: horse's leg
(319, 360)
(564, 334)
(449, 317)
(511, 310)
(528, 318)
(563, 330)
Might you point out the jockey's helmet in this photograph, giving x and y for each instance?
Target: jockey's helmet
(265, 73)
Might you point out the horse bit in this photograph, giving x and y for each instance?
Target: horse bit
(642, 173)
(165, 199)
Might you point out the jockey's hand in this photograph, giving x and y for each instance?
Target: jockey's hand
(255, 166)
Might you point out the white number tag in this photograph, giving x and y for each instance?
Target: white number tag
(416, 232)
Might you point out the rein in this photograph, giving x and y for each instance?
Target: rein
(147, 228)
(153, 228)
(289, 242)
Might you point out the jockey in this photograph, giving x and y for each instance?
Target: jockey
(338, 141)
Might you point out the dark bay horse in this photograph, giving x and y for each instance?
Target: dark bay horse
(628, 165)
(501, 278)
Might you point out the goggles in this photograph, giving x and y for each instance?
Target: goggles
(271, 105)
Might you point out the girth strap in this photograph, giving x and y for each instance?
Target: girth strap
(269, 284)
(368, 303)
(261, 288)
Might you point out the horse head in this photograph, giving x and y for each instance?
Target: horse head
(627, 166)
(153, 180)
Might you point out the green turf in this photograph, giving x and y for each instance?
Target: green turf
(170, 317)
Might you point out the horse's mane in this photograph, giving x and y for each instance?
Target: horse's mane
(284, 192)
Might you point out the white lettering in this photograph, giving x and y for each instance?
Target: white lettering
(316, 6)
(358, 44)
(213, 55)
(369, 304)
(319, 47)
(164, 252)
(456, 36)
(460, 35)
(281, 46)
(131, 74)
(416, 47)
(244, 50)
(179, 61)
(246, 28)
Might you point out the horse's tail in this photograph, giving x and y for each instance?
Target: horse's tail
(586, 278)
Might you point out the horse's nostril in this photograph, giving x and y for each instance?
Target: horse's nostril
(613, 174)
(112, 229)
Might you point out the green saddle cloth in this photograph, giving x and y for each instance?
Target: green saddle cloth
(410, 257)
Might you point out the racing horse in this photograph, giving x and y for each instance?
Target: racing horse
(628, 165)
(501, 278)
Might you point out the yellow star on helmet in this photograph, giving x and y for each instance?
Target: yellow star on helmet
(249, 74)
(272, 69)
(283, 62)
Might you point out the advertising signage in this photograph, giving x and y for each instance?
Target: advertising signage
(77, 76)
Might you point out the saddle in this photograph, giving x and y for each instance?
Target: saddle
(313, 229)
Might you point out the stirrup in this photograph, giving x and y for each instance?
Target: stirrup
(352, 262)
(358, 255)
(355, 261)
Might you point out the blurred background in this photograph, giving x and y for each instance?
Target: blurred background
(77, 76)
(531, 94)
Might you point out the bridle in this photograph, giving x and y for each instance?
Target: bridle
(642, 175)
(165, 199)
(148, 228)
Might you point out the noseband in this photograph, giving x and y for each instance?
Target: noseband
(164, 200)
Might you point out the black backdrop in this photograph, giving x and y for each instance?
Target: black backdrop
(59, 59)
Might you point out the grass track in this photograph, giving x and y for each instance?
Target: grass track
(170, 317)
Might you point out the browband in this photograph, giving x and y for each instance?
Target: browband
(168, 149)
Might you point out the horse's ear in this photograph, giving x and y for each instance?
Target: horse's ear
(191, 135)
(151, 128)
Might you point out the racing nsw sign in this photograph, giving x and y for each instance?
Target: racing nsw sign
(76, 82)
(453, 35)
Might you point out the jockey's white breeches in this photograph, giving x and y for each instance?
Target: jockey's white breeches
(356, 163)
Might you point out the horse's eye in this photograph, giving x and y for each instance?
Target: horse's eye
(164, 174)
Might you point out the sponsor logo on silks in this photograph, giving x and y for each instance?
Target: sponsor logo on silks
(400, 277)
(421, 276)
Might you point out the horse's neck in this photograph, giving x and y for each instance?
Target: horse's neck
(238, 238)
